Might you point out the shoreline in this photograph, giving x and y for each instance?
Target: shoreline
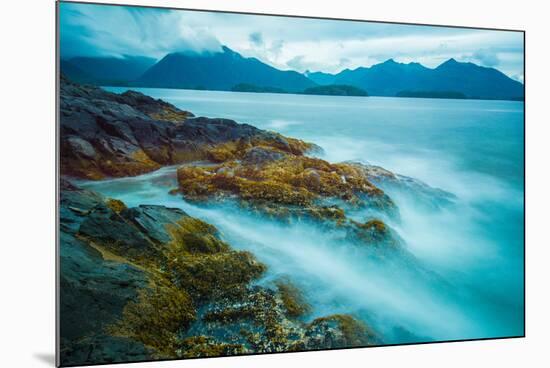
(304, 94)
(254, 147)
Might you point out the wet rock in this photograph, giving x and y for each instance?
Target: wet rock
(105, 134)
(153, 220)
(93, 290)
(152, 282)
(293, 300)
(338, 331)
(261, 323)
(288, 180)
(374, 232)
(95, 285)
(290, 188)
(156, 317)
(261, 155)
(81, 147)
(157, 109)
(225, 171)
(312, 179)
(112, 230)
(213, 275)
(103, 349)
(203, 347)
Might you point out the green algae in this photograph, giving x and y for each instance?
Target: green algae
(156, 317)
(293, 300)
(116, 205)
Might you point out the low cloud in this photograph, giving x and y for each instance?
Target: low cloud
(297, 63)
(276, 48)
(95, 30)
(518, 77)
(267, 51)
(256, 39)
(302, 64)
(487, 57)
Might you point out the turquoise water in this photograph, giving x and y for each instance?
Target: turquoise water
(473, 251)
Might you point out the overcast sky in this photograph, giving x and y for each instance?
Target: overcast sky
(286, 43)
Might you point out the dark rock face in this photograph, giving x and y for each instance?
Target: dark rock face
(113, 135)
(152, 282)
(93, 291)
(105, 349)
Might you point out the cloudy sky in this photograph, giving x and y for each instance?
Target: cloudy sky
(286, 43)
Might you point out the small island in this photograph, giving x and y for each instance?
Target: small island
(329, 90)
(336, 90)
(247, 87)
(432, 94)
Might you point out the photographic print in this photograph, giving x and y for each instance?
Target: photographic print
(235, 184)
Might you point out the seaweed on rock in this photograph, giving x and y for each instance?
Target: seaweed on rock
(186, 292)
(289, 180)
(287, 187)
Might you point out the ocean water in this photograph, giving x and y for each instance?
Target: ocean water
(467, 278)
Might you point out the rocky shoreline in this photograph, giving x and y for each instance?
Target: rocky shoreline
(152, 282)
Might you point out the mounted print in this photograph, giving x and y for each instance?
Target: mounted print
(235, 184)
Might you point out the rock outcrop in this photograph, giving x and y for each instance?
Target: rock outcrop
(152, 282)
(94, 288)
(288, 186)
(105, 134)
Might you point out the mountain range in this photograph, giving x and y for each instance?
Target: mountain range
(219, 71)
(227, 69)
(391, 78)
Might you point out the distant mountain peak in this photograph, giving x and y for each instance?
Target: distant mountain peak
(450, 62)
(227, 49)
(391, 64)
(220, 71)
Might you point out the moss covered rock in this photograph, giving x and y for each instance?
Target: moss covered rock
(203, 347)
(375, 232)
(289, 180)
(152, 282)
(161, 311)
(338, 331)
(207, 276)
(293, 300)
(291, 187)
